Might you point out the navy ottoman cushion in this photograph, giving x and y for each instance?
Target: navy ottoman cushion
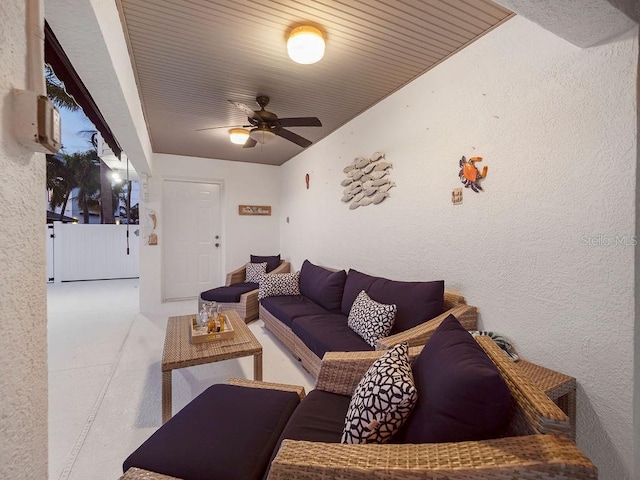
(328, 333)
(288, 307)
(322, 286)
(272, 261)
(461, 394)
(226, 432)
(417, 302)
(228, 294)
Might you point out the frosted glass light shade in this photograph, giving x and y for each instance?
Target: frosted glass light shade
(305, 45)
(262, 135)
(238, 135)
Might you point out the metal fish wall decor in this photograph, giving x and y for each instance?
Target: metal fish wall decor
(367, 181)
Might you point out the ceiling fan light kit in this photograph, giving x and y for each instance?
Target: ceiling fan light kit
(262, 135)
(305, 45)
(267, 126)
(238, 136)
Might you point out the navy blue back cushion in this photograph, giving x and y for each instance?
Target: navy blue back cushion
(226, 432)
(272, 261)
(461, 394)
(417, 302)
(322, 286)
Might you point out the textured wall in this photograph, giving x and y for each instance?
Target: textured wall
(23, 343)
(243, 184)
(556, 125)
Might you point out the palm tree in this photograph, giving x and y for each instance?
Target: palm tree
(56, 92)
(86, 168)
(65, 172)
(60, 182)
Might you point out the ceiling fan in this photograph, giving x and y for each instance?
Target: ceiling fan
(266, 125)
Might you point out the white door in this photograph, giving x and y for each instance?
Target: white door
(191, 238)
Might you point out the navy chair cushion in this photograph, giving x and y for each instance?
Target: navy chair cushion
(228, 294)
(319, 418)
(322, 286)
(272, 261)
(461, 394)
(289, 307)
(328, 333)
(226, 432)
(417, 302)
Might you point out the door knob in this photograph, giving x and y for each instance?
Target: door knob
(217, 245)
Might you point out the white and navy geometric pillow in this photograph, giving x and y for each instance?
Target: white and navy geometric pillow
(370, 319)
(382, 400)
(278, 284)
(255, 271)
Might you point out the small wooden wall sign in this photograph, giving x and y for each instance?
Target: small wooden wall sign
(254, 209)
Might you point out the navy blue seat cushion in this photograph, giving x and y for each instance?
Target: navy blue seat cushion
(272, 261)
(228, 294)
(461, 394)
(288, 307)
(319, 418)
(322, 286)
(226, 432)
(417, 302)
(328, 333)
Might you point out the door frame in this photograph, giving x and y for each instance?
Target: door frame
(163, 226)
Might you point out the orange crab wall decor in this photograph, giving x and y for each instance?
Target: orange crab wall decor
(469, 173)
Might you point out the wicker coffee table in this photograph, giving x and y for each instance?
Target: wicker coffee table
(179, 352)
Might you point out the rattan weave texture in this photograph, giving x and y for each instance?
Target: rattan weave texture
(179, 352)
(243, 382)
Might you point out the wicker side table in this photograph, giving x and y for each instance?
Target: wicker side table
(559, 387)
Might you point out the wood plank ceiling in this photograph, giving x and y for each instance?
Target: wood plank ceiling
(191, 56)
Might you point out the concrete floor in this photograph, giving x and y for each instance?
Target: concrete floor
(104, 375)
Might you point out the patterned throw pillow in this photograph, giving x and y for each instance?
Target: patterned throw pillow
(279, 284)
(382, 400)
(255, 272)
(370, 319)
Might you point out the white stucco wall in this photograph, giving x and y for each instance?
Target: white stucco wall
(242, 184)
(23, 343)
(556, 126)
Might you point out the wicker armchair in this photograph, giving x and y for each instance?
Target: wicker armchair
(247, 307)
(537, 445)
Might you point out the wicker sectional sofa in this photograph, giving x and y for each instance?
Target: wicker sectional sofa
(315, 322)
(277, 432)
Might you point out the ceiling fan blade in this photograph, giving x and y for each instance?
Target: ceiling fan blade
(247, 110)
(226, 126)
(300, 122)
(292, 137)
(250, 143)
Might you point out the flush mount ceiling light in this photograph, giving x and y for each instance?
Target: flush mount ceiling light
(305, 45)
(238, 135)
(262, 135)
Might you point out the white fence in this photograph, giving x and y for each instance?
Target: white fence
(91, 252)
